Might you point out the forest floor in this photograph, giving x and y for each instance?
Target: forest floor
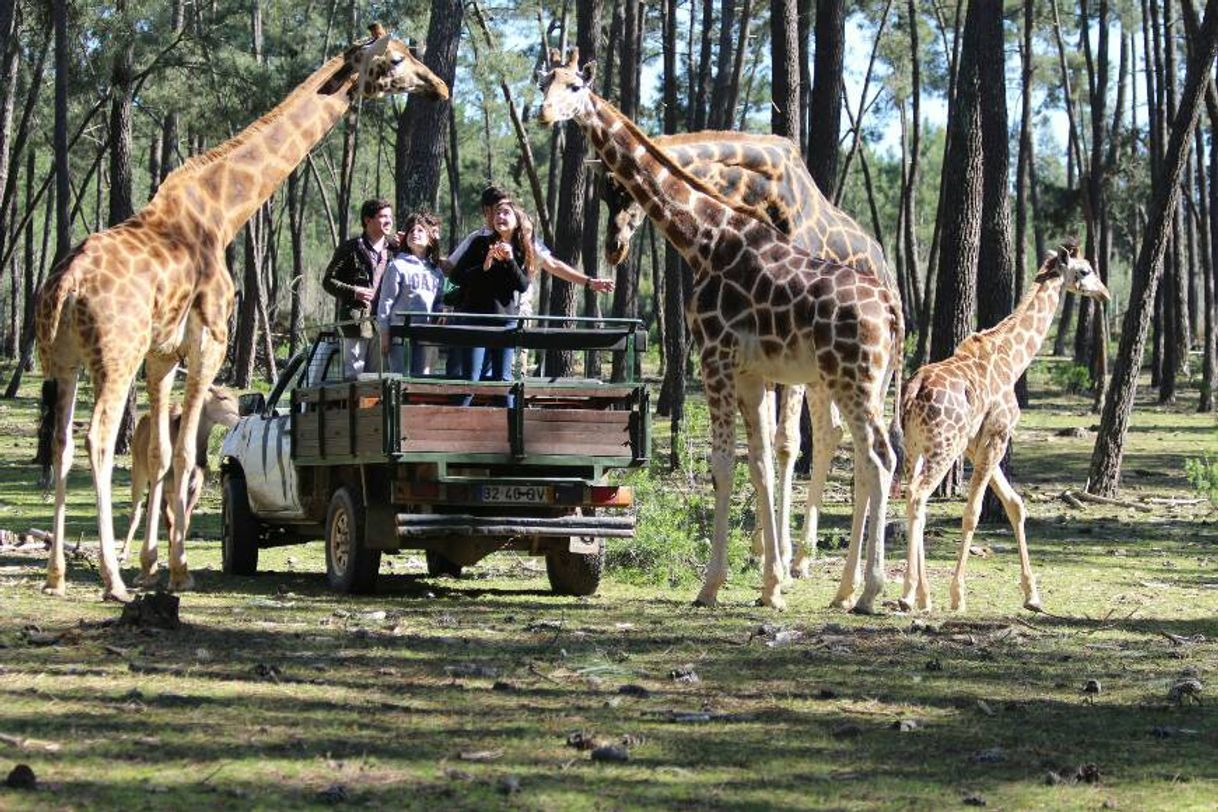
(473, 693)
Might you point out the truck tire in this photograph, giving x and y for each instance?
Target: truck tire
(575, 573)
(239, 547)
(438, 566)
(350, 566)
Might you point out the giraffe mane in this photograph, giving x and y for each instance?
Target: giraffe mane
(676, 170)
(221, 151)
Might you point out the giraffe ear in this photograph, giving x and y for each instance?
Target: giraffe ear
(376, 30)
(589, 71)
(573, 58)
(555, 57)
(1052, 266)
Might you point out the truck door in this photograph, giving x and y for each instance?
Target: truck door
(270, 476)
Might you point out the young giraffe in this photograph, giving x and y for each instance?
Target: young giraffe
(155, 289)
(767, 175)
(966, 404)
(762, 311)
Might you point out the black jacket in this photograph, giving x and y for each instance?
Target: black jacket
(354, 266)
(493, 290)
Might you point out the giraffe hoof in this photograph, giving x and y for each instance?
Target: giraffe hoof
(863, 608)
(117, 594)
(181, 583)
(57, 588)
(148, 579)
(905, 605)
(799, 570)
(1033, 605)
(777, 602)
(702, 603)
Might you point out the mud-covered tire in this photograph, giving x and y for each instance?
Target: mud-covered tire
(240, 533)
(438, 566)
(351, 567)
(575, 573)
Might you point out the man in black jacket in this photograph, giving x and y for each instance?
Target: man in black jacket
(353, 277)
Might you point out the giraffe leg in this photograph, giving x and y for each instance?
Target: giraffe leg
(826, 436)
(159, 385)
(983, 466)
(110, 400)
(139, 483)
(757, 542)
(852, 572)
(927, 474)
(1013, 504)
(786, 447)
(721, 400)
(207, 353)
(753, 403)
(876, 478)
(61, 462)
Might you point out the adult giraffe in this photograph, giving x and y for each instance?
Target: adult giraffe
(155, 289)
(767, 175)
(762, 310)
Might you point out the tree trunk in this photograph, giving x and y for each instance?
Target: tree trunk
(245, 340)
(298, 184)
(910, 193)
(1022, 171)
(784, 61)
(826, 109)
(1105, 471)
(426, 121)
(955, 299)
(996, 282)
(121, 182)
(626, 274)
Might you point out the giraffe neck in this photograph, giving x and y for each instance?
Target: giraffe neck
(1022, 333)
(227, 184)
(680, 204)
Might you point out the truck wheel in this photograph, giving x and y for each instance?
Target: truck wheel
(239, 548)
(350, 566)
(439, 566)
(575, 573)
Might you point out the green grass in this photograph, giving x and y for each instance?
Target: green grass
(276, 689)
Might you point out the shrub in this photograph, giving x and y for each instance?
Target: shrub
(1203, 476)
(1073, 379)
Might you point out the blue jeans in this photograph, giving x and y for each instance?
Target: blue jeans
(487, 364)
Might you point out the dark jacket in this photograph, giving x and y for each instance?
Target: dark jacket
(493, 290)
(354, 266)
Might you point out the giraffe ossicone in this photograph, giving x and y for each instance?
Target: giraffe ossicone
(155, 289)
(966, 404)
(762, 311)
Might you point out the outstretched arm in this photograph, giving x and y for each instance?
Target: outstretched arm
(553, 265)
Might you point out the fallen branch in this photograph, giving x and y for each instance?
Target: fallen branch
(1105, 500)
(1071, 500)
(1173, 501)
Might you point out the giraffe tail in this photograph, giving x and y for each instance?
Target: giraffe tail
(49, 303)
(896, 369)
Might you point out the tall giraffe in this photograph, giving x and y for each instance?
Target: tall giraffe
(762, 310)
(966, 404)
(767, 174)
(155, 289)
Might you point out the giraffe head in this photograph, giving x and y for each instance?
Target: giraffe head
(1076, 272)
(386, 66)
(567, 88)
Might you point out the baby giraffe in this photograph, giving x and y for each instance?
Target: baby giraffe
(966, 404)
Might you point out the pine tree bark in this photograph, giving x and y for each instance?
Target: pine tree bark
(1105, 473)
(626, 274)
(826, 109)
(424, 122)
(784, 70)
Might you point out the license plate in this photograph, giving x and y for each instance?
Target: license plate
(528, 494)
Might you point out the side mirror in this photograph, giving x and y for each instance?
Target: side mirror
(251, 403)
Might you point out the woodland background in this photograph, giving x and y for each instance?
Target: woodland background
(968, 137)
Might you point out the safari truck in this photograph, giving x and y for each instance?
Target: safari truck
(388, 462)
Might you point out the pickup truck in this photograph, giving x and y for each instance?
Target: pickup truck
(388, 462)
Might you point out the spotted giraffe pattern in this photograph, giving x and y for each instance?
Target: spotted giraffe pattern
(966, 404)
(766, 174)
(762, 311)
(155, 289)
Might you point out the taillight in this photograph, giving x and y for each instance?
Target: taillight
(612, 495)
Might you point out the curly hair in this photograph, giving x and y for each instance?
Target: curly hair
(430, 222)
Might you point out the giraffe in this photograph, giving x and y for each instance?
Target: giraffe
(155, 289)
(762, 311)
(767, 174)
(966, 404)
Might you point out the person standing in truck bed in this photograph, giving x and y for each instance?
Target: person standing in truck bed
(412, 284)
